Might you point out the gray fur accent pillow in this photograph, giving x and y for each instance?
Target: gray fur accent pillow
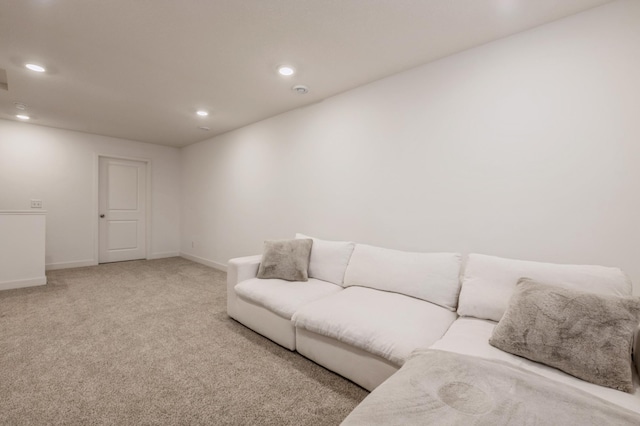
(286, 259)
(586, 335)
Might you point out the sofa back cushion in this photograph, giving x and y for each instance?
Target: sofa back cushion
(329, 259)
(433, 277)
(489, 282)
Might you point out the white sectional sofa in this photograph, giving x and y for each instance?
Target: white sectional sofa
(365, 311)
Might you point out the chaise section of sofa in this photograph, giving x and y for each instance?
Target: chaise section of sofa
(462, 378)
(487, 287)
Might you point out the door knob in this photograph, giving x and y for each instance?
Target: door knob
(101, 215)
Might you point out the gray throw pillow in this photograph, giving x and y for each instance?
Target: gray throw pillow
(286, 259)
(586, 335)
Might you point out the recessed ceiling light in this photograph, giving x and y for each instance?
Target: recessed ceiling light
(286, 70)
(22, 116)
(202, 113)
(36, 68)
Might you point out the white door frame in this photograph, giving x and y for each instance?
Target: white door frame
(96, 202)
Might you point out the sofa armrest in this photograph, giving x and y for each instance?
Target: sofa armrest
(238, 270)
(243, 268)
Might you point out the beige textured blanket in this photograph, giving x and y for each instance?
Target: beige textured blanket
(444, 388)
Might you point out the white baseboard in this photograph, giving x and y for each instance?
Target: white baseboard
(211, 263)
(73, 264)
(30, 282)
(91, 262)
(163, 255)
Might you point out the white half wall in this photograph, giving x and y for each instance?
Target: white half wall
(527, 147)
(22, 249)
(59, 168)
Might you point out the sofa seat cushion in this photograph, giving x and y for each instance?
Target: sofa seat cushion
(386, 324)
(284, 297)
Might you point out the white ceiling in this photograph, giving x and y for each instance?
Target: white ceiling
(139, 69)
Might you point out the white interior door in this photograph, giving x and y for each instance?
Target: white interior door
(122, 209)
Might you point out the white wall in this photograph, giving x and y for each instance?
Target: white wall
(58, 167)
(528, 147)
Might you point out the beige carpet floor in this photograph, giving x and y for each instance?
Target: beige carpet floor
(149, 342)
